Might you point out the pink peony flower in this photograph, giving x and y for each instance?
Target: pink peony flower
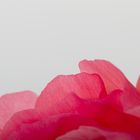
(99, 103)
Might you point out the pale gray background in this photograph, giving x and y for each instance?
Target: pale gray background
(42, 38)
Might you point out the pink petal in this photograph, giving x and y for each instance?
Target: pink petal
(112, 76)
(56, 126)
(17, 120)
(123, 101)
(93, 133)
(85, 86)
(138, 84)
(12, 103)
(43, 129)
(92, 114)
(113, 79)
(114, 99)
(71, 103)
(83, 133)
(134, 111)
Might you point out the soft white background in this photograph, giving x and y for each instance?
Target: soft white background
(42, 38)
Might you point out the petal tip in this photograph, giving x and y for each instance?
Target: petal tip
(138, 84)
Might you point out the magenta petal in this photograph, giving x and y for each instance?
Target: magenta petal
(93, 133)
(113, 78)
(85, 86)
(12, 103)
(134, 111)
(123, 101)
(114, 99)
(55, 126)
(94, 113)
(75, 107)
(138, 84)
(83, 133)
(43, 129)
(17, 120)
(71, 103)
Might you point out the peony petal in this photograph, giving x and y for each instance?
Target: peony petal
(12, 103)
(123, 101)
(19, 118)
(92, 114)
(114, 99)
(93, 133)
(83, 133)
(112, 76)
(138, 84)
(56, 126)
(134, 111)
(85, 86)
(48, 128)
(71, 103)
(113, 79)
